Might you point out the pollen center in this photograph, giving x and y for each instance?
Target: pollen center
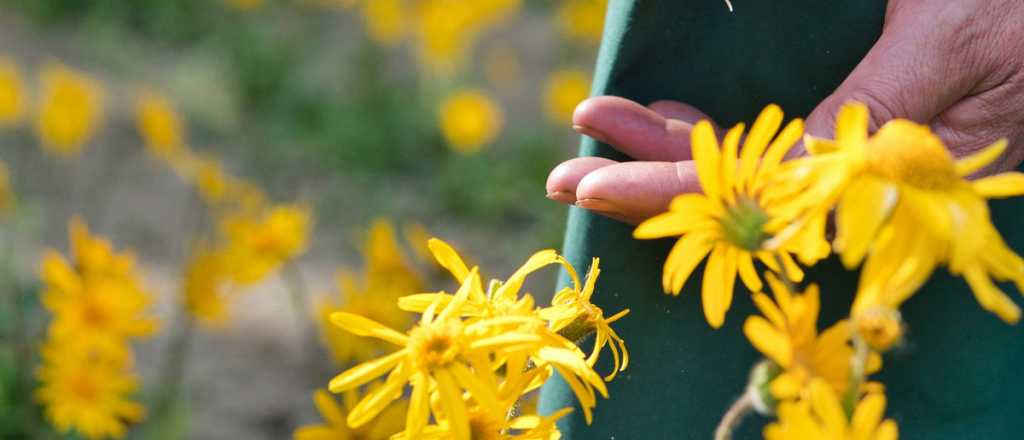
(910, 153)
(436, 345)
(93, 314)
(743, 224)
(482, 426)
(84, 387)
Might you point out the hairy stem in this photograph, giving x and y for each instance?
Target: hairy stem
(733, 417)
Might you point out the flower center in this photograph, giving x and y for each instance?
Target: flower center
(743, 224)
(93, 315)
(881, 328)
(482, 426)
(910, 153)
(436, 345)
(83, 387)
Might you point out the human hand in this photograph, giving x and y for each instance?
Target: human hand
(958, 66)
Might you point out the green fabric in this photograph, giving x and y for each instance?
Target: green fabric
(954, 379)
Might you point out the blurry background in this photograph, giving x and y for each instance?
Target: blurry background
(441, 116)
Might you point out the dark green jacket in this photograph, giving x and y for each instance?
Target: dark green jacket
(958, 375)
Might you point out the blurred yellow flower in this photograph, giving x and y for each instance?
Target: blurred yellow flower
(483, 425)
(159, 125)
(446, 30)
(375, 304)
(582, 20)
(469, 120)
(417, 236)
(245, 5)
(563, 91)
(86, 393)
(7, 200)
(821, 417)
(260, 245)
(904, 206)
(208, 176)
(97, 300)
(788, 335)
(734, 221)
(205, 281)
(12, 92)
(70, 110)
(389, 422)
(386, 20)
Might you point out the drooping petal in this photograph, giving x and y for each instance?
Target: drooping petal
(1009, 184)
(981, 159)
(687, 253)
(768, 340)
(448, 258)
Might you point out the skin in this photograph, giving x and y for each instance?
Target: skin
(955, 65)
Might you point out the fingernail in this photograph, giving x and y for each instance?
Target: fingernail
(562, 196)
(590, 132)
(598, 205)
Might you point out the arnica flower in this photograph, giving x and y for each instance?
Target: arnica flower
(358, 299)
(12, 92)
(469, 120)
(788, 335)
(571, 313)
(89, 394)
(582, 20)
(7, 200)
(388, 423)
(160, 126)
(563, 91)
(206, 281)
(387, 266)
(905, 205)
(733, 221)
(386, 20)
(258, 246)
(70, 110)
(97, 300)
(821, 417)
(445, 356)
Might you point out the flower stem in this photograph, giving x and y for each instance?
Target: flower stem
(178, 351)
(733, 417)
(298, 292)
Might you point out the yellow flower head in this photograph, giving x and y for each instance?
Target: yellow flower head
(734, 221)
(469, 120)
(86, 393)
(445, 356)
(70, 109)
(12, 92)
(160, 126)
(387, 267)
(97, 300)
(821, 417)
(386, 20)
(483, 426)
(571, 314)
(788, 335)
(376, 304)
(386, 424)
(563, 91)
(446, 30)
(258, 246)
(205, 281)
(7, 200)
(904, 206)
(582, 19)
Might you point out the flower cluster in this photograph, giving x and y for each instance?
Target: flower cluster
(902, 205)
(473, 355)
(98, 307)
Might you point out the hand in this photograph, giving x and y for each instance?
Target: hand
(956, 65)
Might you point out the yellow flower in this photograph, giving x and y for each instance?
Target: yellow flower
(12, 92)
(788, 335)
(385, 20)
(205, 281)
(733, 220)
(563, 91)
(582, 19)
(376, 305)
(86, 393)
(389, 422)
(469, 120)
(69, 111)
(571, 313)
(417, 236)
(445, 356)
(387, 267)
(446, 30)
(482, 426)
(258, 246)
(821, 417)
(904, 204)
(159, 125)
(7, 200)
(245, 5)
(97, 301)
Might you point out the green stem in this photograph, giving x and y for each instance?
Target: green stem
(178, 351)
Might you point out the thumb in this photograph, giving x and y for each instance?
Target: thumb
(913, 71)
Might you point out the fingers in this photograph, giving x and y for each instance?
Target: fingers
(638, 131)
(631, 192)
(563, 180)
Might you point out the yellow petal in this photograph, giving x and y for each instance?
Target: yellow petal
(452, 403)
(852, 124)
(981, 159)
(768, 340)
(748, 274)
(867, 415)
(361, 326)
(328, 408)
(862, 209)
(765, 126)
(708, 158)
(715, 298)
(826, 405)
(730, 149)
(816, 145)
(887, 431)
(377, 399)
(365, 372)
(990, 297)
(448, 258)
(684, 257)
(1000, 185)
(419, 407)
(671, 224)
